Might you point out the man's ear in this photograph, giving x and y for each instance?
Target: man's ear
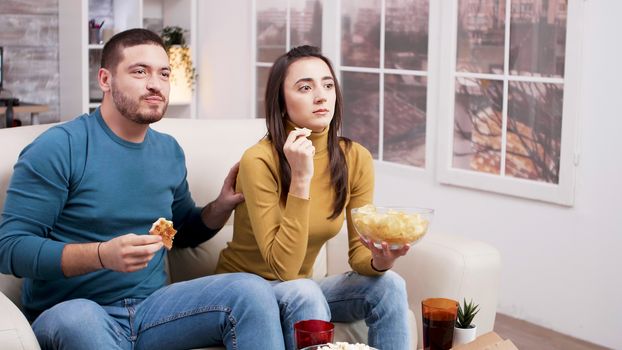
(104, 79)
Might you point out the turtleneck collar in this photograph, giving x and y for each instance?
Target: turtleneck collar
(319, 139)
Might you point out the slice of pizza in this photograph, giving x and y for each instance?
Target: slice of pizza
(164, 228)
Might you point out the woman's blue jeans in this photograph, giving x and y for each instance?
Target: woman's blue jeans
(381, 301)
(238, 310)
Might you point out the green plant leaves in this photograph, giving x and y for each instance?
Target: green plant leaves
(466, 314)
(175, 36)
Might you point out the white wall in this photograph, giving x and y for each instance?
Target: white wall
(224, 59)
(561, 266)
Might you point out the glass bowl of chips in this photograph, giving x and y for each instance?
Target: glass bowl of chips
(396, 226)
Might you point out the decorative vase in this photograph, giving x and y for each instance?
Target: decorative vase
(464, 335)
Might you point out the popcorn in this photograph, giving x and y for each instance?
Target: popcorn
(344, 346)
(394, 227)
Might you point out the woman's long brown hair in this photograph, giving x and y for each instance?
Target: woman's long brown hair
(276, 114)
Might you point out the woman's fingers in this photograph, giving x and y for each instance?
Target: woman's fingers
(299, 151)
(297, 134)
(303, 146)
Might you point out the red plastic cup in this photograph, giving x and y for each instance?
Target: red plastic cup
(313, 332)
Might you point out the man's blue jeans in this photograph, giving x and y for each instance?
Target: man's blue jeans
(238, 310)
(381, 301)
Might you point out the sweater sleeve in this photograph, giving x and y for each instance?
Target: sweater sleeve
(361, 193)
(281, 233)
(36, 195)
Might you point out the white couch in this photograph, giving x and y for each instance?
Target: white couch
(441, 265)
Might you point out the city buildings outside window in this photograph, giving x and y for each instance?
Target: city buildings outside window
(384, 77)
(503, 101)
(510, 80)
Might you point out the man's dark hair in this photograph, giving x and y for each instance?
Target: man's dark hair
(112, 53)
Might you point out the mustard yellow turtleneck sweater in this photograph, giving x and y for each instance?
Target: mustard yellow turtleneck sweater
(280, 241)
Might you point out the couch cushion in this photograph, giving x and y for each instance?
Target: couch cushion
(189, 263)
(11, 287)
(211, 147)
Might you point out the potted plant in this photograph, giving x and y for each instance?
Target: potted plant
(183, 70)
(465, 331)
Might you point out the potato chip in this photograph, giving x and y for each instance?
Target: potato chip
(306, 131)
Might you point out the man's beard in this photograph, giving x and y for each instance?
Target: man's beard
(131, 109)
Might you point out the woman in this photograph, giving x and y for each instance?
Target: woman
(297, 181)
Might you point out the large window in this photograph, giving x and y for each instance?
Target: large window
(279, 26)
(494, 84)
(384, 77)
(509, 119)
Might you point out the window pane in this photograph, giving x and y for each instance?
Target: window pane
(262, 80)
(538, 38)
(361, 107)
(271, 17)
(306, 22)
(406, 34)
(477, 125)
(405, 119)
(534, 131)
(360, 33)
(481, 36)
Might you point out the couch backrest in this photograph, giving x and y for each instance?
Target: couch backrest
(12, 141)
(211, 146)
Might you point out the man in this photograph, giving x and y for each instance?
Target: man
(80, 203)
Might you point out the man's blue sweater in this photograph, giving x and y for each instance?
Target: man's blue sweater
(78, 182)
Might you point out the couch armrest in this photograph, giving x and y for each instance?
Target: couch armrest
(15, 331)
(453, 267)
(441, 266)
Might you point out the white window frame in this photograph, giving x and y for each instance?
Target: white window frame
(257, 64)
(561, 193)
(331, 48)
(381, 71)
(440, 101)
